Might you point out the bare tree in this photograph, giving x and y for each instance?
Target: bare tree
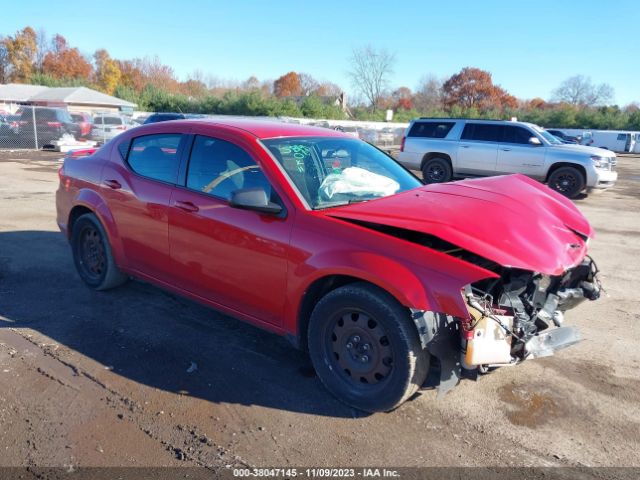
(579, 90)
(370, 72)
(308, 84)
(429, 95)
(43, 46)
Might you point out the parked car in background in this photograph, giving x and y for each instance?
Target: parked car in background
(84, 122)
(359, 263)
(564, 137)
(386, 136)
(349, 130)
(446, 147)
(108, 126)
(369, 135)
(50, 124)
(167, 116)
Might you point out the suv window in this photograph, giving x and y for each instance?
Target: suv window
(482, 131)
(513, 134)
(622, 136)
(156, 156)
(218, 168)
(431, 129)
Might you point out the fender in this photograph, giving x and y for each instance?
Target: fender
(94, 202)
(414, 286)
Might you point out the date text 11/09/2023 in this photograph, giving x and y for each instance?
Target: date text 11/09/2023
(316, 472)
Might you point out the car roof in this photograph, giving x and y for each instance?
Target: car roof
(264, 129)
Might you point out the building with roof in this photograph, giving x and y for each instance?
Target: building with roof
(74, 99)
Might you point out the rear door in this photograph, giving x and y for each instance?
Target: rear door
(137, 190)
(478, 150)
(517, 155)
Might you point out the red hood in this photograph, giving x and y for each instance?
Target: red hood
(512, 220)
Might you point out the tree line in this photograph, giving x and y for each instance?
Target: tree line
(30, 56)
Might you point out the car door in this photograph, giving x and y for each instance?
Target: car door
(478, 148)
(517, 155)
(235, 258)
(137, 190)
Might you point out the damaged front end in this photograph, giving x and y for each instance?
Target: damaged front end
(514, 317)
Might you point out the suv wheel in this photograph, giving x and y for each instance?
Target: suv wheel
(365, 348)
(92, 254)
(569, 181)
(436, 170)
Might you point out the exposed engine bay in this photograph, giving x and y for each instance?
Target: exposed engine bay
(524, 308)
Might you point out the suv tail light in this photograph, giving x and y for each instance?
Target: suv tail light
(121, 127)
(402, 143)
(54, 124)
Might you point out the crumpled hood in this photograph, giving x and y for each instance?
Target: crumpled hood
(512, 220)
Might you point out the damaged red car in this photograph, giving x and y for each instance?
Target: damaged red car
(320, 237)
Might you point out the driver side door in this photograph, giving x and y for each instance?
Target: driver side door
(231, 257)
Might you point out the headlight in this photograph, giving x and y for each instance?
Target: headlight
(600, 162)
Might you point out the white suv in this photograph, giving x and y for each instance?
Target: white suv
(443, 148)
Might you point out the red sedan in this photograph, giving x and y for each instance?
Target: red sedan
(316, 235)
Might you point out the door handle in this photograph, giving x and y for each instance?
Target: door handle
(114, 184)
(506, 149)
(186, 206)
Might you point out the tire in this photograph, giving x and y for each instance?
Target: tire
(436, 170)
(568, 181)
(365, 348)
(92, 254)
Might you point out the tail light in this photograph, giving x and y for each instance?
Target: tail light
(402, 143)
(54, 124)
(121, 127)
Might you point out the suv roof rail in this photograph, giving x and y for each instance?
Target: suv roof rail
(465, 118)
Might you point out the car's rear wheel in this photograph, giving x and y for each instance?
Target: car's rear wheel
(436, 170)
(365, 348)
(568, 181)
(92, 254)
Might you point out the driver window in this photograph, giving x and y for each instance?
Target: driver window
(218, 168)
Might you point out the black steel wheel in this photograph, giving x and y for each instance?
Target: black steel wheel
(92, 254)
(365, 348)
(436, 170)
(568, 181)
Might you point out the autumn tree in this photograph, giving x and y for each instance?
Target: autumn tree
(65, 62)
(251, 83)
(20, 53)
(328, 89)
(579, 90)
(474, 88)
(402, 99)
(131, 76)
(107, 71)
(288, 85)
(370, 72)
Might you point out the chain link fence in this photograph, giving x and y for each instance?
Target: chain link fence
(31, 127)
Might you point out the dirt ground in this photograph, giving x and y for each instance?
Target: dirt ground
(140, 377)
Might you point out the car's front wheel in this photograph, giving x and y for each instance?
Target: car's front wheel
(92, 254)
(365, 348)
(569, 181)
(436, 170)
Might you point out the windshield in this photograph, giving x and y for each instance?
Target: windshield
(552, 139)
(332, 171)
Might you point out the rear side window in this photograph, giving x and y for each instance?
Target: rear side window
(218, 168)
(516, 135)
(108, 121)
(482, 131)
(156, 156)
(431, 129)
(622, 136)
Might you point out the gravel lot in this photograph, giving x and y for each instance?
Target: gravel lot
(101, 379)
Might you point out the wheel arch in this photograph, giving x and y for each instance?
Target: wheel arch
(558, 165)
(88, 201)
(430, 155)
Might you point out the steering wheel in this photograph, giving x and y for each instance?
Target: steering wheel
(225, 176)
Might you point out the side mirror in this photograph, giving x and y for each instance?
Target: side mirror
(535, 141)
(254, 199)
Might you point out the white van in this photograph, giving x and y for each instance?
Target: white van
(616, 140)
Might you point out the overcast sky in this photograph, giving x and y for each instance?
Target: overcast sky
(530, 48)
